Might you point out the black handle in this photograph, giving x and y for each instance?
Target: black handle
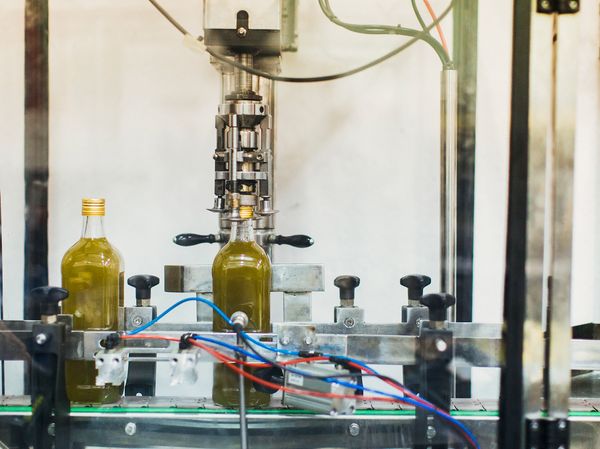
(49, 299)
(415, 283)
(143, 284)
(438, 303)
(347, 284)
(194, 239)
(298, 241)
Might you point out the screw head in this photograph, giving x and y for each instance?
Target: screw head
(52, 429)
(535, 425)
(308, 340)
(284, 341)
(354, 429)
(573, 5)
(545, 4)
(130, 428)
(441, 345)
(41, 339)
(562, 424)
(137, 321)
(349, 322)
(241, 31)
(431, 432)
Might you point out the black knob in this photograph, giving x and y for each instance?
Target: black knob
(346, 284)
(438, 303)
(49, 298)
(194, 239)
(298, 241)
(143, 283)
(415, 283)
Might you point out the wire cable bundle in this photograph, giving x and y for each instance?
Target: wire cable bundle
(195, 42)
(237, 365)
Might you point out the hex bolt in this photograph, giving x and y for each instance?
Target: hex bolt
(137, 321)
(431, 432)
(354, 429)
(308, 340)
(441, 345)
(349, 322)
(41, 339)
(130, 428)
(284, 341)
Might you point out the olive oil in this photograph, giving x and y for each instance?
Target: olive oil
(92, 272)
(241, 282)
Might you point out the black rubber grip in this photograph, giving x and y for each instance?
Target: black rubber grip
(143, 284)
(298, 241)
(194, 239)
(438, 304)
(49, 299)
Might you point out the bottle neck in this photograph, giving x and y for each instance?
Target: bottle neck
(93, 227)
(242, 231)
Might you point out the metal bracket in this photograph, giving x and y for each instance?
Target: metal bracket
(434, 355)
(557, 6)
(547, 433)
(50, 406)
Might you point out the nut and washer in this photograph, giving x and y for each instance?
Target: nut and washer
(130, 428)
(431, 432)
(41, 339)
(441, 345)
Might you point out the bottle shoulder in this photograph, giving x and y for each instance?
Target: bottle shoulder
(244, 252)
(98, 250)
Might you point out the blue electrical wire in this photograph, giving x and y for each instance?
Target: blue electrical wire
(174, 306)
(406, 400)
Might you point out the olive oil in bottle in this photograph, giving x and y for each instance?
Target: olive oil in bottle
(93, 273)
(241, 275)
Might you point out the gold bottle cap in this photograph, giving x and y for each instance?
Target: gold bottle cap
(92, 207)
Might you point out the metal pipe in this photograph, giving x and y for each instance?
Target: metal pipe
(448, 183)
(243, 420)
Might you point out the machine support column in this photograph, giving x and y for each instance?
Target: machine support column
(448, 167)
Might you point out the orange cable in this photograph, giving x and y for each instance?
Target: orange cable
(438, 27)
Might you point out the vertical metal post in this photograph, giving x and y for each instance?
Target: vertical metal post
(243, 418)
(511, 424)
(36, 150)
(561, 150)
(539, 237)
(465, 19)
(448, 184)
(2, 372)
(464, 47)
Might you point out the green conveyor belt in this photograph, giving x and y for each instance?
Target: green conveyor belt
(199, 411)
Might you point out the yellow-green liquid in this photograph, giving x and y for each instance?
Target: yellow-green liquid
(241, 282)
(92, 272)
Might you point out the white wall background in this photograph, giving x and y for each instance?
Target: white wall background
(131, 119)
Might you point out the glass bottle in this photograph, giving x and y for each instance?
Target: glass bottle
(241, 275)
(93, 273)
